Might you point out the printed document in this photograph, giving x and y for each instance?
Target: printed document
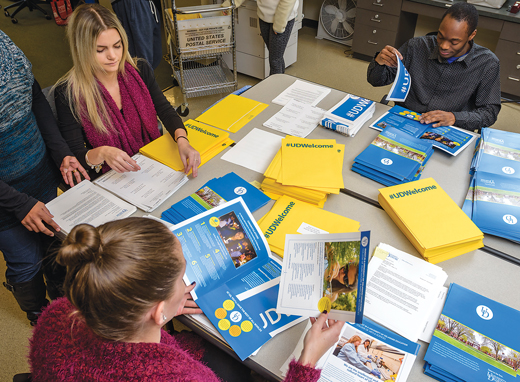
(147, 188)
(324, 272)
(302, 91)
(296, 118)
(402, 83)
(402, 290)
(381, 355)
(255, 151)
(87, 203)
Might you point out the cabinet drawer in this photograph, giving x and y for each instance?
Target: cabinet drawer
(377, 19)
(369, 40)
(392, 7)
(511, 32)
(509, 55)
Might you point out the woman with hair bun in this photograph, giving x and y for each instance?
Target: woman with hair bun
(123, 283)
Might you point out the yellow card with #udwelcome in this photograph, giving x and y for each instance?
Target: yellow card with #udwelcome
(312, 162)
(232, 113)
(291, 216)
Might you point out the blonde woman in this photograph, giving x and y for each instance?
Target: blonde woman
(107, 104)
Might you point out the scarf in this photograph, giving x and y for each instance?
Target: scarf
(136, 126)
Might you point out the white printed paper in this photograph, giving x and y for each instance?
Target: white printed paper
(147, 188)
(87, 203)
(302, 91)
(402, 290)
(296, 118)
(255, 151)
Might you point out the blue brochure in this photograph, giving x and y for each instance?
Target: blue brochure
(236, 274)
(214, 193)
(447, 138)
(396, 154)
(402, 83)
(476, 339)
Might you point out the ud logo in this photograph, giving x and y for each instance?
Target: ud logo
(269, 314)
(235, 316)
(484, 312)
(508, 170)
(510, 219)
(240, 190)
(364, 241)
(386, 161)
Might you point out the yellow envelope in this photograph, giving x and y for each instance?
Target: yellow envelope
(288, 215)
(232, 113)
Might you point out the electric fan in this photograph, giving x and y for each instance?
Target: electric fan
(337, 21)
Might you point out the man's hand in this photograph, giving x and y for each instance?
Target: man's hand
(33, 221)
(387, 56)
(71, 168)
(443, 118)
(188, 306)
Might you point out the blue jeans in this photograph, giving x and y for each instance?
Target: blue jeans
(23, 252)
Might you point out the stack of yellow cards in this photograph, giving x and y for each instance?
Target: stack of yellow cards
(306, 169)
(232, 113)
(292, 216)
(431, 220)
(207, 140)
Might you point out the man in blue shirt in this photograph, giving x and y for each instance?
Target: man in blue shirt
(454, 81)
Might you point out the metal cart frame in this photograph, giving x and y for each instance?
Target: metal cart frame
(199, 71)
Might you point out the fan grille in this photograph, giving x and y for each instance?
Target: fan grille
(339, 18)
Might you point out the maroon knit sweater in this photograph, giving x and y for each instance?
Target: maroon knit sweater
(64, 348)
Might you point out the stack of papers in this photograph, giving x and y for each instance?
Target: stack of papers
(389, 357)
(493, 199)
(232, 113)
(215, 193)
(446, 138)
(147, 188)
(305, 92)
(296, 118)
(207, 140)
(431, 220)
(348, 115)
(291, 216)
(404, 293)
(393, 158)
(322, 162)
(475, 340)
(86, 203)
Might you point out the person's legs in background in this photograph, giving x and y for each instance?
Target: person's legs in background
(276, 44)
(141, 20)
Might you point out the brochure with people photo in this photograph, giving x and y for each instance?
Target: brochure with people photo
(450, 139)
(237, 276)
(324, 272)
(365, 352)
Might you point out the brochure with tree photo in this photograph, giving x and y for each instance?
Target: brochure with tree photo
(325, 272)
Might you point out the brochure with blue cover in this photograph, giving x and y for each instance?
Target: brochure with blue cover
(447, 138)
(475, 340)
(395, 154)
(402, 83)
(214, 193)
(236, 274)
(348, 115)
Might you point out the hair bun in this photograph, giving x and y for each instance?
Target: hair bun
(82, 245)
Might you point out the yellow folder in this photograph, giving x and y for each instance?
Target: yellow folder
(232, 113)
(207, 140)
(312, 162)
(291, 216)
(276, 190)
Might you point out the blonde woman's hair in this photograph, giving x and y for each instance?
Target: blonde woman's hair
(354, 339)
(118, 272)
(85, 25)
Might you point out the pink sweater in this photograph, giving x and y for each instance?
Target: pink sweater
(65, 349)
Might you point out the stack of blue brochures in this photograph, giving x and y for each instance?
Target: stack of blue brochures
(215, 193)
(393, 158)
(475, 340)
(493, 199)
(348, 115)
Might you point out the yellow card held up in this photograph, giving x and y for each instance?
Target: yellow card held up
(232, 113)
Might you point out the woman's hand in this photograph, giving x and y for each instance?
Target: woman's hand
(33, 221)
(188, 306)
(71, 168)
(320, 337)
(117, 159)
(189, 156)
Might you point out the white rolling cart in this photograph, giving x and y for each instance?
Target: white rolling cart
(198, 39)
